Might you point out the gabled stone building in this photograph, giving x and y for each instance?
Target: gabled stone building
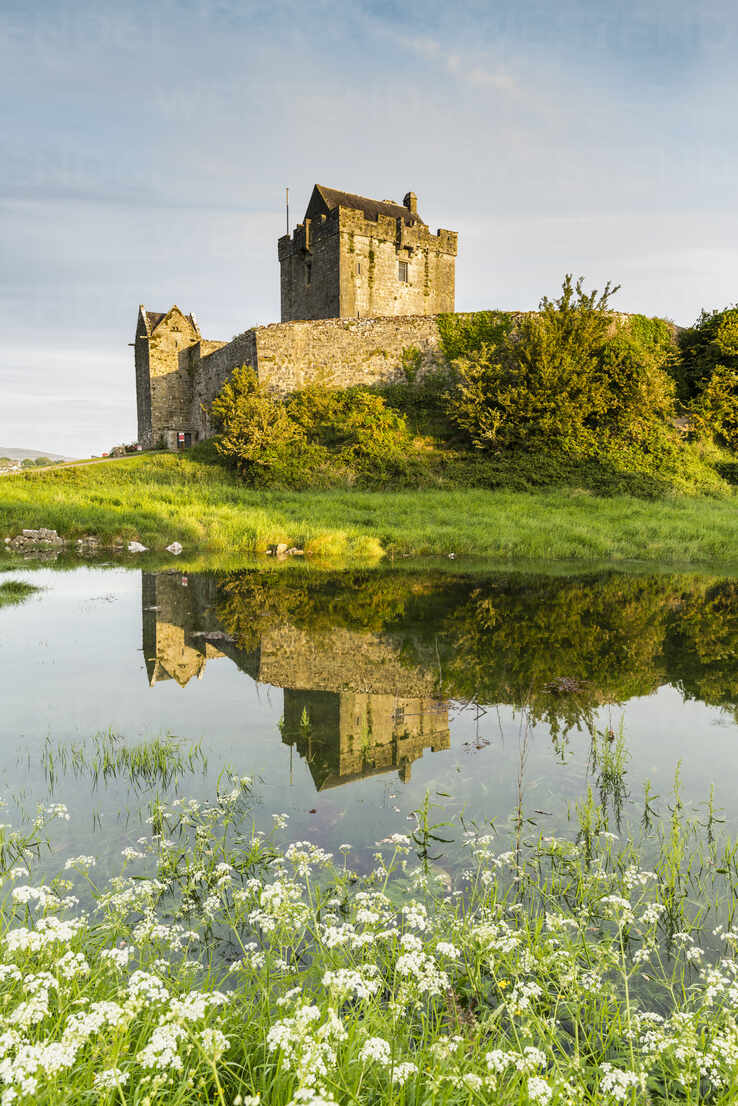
(362, 283)
(168, 348)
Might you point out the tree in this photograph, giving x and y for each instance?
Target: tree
(712, 341)
(709, 373)
(568, 378)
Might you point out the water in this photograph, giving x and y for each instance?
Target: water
(350, 696)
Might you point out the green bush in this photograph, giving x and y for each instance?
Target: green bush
(715, 408)
(708, 375)
(575, 380)
(320, 437)
(354, 423)
(711, 342)
(462, 334)
(256, 433)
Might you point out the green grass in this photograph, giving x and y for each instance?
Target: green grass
(15, 591)
(160, 498)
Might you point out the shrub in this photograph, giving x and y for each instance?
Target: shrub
(712, 341)
(253, 424)
(353, 422)
(462, 334)
(708, 374)
(575, 380)
(715, 409)
(319, 437)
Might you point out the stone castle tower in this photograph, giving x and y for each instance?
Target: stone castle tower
(355, 257)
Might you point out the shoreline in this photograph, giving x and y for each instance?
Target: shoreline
(163, 498)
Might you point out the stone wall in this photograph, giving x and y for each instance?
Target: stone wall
(344, 351)
(143, 385)
(309, 279)
(287, 356)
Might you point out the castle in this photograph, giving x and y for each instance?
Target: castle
(362, 282)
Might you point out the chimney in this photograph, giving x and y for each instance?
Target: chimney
(411, 203)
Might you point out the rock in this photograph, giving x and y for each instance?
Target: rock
(89, 544)
(281, 548)
(174, 548)
(212, 635)
(36, 537)
(295, 552)
(136, 547)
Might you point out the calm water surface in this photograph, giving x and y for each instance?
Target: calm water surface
(350, 696)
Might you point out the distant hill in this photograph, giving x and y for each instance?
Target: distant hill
(31, 454)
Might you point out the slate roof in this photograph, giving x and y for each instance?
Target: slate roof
(325, 199)
(153, 318)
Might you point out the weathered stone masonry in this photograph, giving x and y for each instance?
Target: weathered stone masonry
(362, 285)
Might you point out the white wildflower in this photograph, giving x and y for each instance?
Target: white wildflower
(617, 1083)
(214, 1042)
(377, 1050)
(109, 1079)
(79, 862)
(539, 1091)
(402, 1072)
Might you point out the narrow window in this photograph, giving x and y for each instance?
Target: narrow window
(358, 268)
(402, 271)
(309, 273)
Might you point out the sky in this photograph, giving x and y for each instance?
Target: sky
(145, 149)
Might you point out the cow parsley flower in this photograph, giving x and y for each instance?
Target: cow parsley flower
(539, 1091)
(79, 862)
(214, 1042)
(109, 1079)
(346, 983)
(376, 1050)
(402, 1072)
(618, 1083)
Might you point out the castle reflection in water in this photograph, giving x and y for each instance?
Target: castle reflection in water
(352, 706)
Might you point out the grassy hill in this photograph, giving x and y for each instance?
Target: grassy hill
(159, 498)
